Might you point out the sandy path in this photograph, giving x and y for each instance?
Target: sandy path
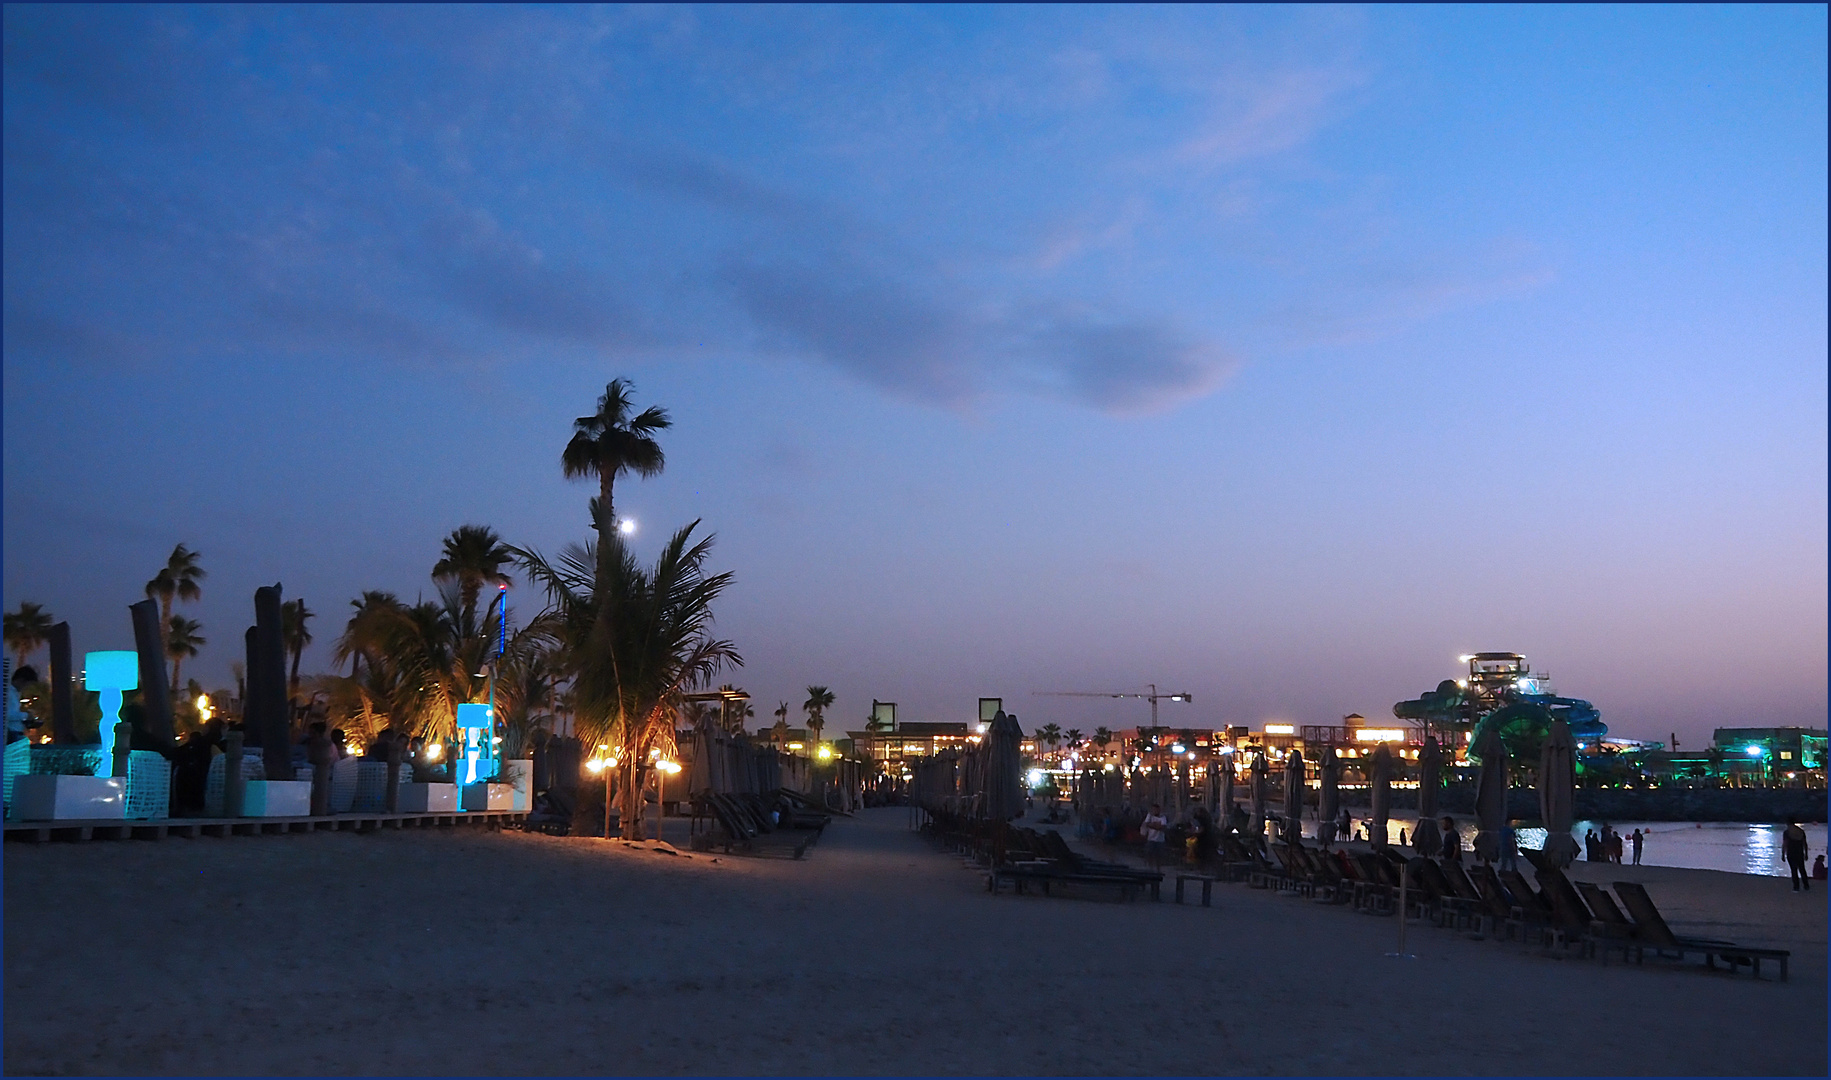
(462, 952)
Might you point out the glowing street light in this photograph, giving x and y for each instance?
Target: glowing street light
(627, 526)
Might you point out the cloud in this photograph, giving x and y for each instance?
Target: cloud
(933, 344)
(1266, 115)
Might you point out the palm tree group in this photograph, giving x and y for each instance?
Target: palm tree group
(819, 698)
(180, 578)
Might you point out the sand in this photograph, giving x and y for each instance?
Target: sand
(470, 952)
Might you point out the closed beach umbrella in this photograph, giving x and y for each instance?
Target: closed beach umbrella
(1223, 809)
(1490, 796)
(1004, 769)
(1380, 794)
(1558, 792)
(1425, 838)
(1293, 797)
(1329, 805)
(1260, 782)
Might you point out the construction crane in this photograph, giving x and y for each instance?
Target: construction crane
(1153, 697)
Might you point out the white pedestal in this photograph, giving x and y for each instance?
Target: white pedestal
(518, 773)
(277, 798)
(428, 798)
(70, 798)
(489, 797)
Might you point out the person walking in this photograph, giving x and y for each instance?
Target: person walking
(1153, 829)
(1793, 846)
(1509, 848)
(1614, 847)
(1639, 839)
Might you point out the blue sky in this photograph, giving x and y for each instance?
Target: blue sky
(1279, 355)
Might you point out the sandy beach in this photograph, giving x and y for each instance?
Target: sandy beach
(467, 952)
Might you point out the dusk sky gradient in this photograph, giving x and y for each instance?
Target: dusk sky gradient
(1276, 355)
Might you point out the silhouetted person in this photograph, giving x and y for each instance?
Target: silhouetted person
(1793, 846)
(1452, 841)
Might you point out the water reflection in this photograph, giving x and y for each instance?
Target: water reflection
(1737, 847)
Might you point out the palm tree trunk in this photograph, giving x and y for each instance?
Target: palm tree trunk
(177, 662)
(292, 685)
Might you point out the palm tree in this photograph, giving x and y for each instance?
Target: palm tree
(780, 734)
(474, 557)
(26, 631)
(818, 698)
(610, 442)
(364, 633)
(178, 578)
(181, 643)
(1073, 735)
(1051, 734)
(293, 617)
(635, 640)
(1103, 738)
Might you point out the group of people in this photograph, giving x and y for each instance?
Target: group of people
(1608, 845)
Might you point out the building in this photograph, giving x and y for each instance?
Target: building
(1771, 755)
(890, 749)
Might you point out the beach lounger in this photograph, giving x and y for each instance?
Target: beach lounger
(1497, 907)
(1651, 931)
(1571, 917)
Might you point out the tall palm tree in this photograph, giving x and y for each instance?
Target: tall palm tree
(26, 631)
(1050, 734)
(1103, 737)
(293, 633)
(780, 734)
(636, 639)
(179, 578)
(818, 698)
(182, 641)
(1073, 735)
(611, 442)
(474, 557)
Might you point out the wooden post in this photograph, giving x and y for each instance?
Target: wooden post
(270, 651)
(63, 711)
(123, 746)
(155, 686)
(392, 797)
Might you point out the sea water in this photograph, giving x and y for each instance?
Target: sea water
(1735, 846)
(1738, 847)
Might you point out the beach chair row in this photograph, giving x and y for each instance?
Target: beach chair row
(1579, 917)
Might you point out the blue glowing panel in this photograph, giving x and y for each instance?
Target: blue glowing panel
(111, 671)
(474, 717)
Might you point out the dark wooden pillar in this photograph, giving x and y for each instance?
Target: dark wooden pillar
(63, 710)
(155, 688)
(270, 649)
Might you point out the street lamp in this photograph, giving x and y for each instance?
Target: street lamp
(663, 769)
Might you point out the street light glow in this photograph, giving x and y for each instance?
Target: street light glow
(627, 526)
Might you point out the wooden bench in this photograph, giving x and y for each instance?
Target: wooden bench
(1207, 881)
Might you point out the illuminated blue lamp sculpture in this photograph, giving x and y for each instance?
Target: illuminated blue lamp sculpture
(109, 674)
(477, 743)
